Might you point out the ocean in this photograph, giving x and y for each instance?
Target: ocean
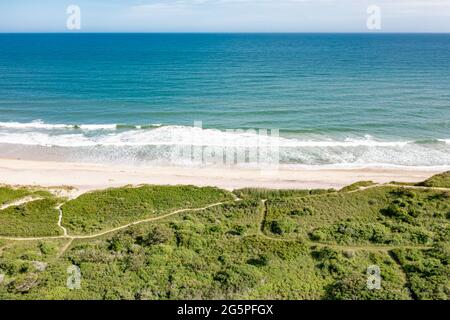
(339, 100)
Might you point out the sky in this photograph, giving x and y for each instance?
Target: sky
(225, 15)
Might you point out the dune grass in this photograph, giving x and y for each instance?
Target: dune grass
(33, 219)
(357, 185)
(213, 254)
(428, 271)
(381, 215)
(102, 210)
(303, 215)
(36, 218)
(255, 193)
(9, 194)
(296, 245)
(438, 181)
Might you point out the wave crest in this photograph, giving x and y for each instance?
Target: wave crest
(156, 142)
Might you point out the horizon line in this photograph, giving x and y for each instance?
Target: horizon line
(222, 32)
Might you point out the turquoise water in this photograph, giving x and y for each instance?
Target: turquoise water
(337, 99)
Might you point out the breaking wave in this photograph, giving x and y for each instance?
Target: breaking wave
(156, 143)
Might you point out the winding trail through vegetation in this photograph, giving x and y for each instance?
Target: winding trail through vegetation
(399, 186)
(64, 248)
(96, 235)
(355, 247)
(148, 220)
(236, 199)
(20, 202)
(415, 187)
(60, 219)
(66, 240)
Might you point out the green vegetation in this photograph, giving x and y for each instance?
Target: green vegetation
(292, 245)
(428, 271)
(357, 186)
(313, 213)
(254, 193)
(102, 210)
(381, 215)
(32, 219)
(349, 271)
(438, 181)
(37, 217)
(9, 194)
(191, 256)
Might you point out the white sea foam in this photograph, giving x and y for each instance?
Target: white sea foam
(32, 125)
(158, 143)
(167, 135)
(38, 124)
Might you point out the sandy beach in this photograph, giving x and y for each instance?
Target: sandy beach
(86, 177)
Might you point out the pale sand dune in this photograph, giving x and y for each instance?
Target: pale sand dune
(87, 177)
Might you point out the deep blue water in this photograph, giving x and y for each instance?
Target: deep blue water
(338, 98)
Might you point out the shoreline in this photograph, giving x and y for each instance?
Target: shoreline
(88, 176)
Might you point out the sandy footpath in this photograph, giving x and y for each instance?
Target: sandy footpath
(96, 176)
